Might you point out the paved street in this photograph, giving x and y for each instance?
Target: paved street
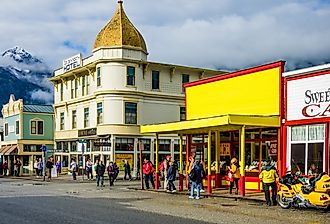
(64, 201)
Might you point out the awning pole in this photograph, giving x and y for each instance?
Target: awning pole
(217, 159)
(181, 166)
(242, 159)
(209, 184)
(157, 168)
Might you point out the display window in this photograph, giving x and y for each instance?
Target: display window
(306, 149)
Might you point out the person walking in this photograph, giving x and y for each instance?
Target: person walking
(148, 171)
(19, 164)
(5, 168)
(89, 169)
(100, 169)
(164, 166)
(235, 173)
(74, 169)
(196, 179)
(268, 177)
(111, 173)
(15, 168)
(49, 166)
(58, 168)
(116, 171)
(171, 174)
(35, 167)
(127, 169)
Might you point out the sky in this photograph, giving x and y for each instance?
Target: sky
(217, 34)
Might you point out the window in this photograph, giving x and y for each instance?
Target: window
(32, 148)
(74, 119)
(83, 85)
(164, 145)
(130, 113)
(72, 89)
(155, 80)
(86, 117)
(17, 127)
(307, 147)
(75, 88)
(87, 84)
(6, 129)
(185, 79)
(37, 128)
(124, 144)
(98, 71)
(99, 113)
(130, 76)
(62, 121)
(61, 96)
(182, 113)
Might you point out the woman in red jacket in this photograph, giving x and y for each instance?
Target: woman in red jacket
(148, 171)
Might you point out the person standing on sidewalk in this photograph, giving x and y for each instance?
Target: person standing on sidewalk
(40, 168)
(58, 167)
(171, 174)
(111, 173)
(268, 177)
(89, 169)
(164, 166)
(49, 166)
(148, 171)
(5, 168)
(196, 178)
(127, 169)
(234, 171)
(100, 169)
(74, 169)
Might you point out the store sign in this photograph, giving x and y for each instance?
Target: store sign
(308, 98)
(72, 63)
(272, 151)
(224, 149)
(102, 142)
(86, 132)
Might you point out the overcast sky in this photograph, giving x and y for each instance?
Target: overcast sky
(224, 34)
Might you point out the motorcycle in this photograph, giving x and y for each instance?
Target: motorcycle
(300, 192)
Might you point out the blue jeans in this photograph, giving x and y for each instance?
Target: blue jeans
(98, 179)
(197, 186)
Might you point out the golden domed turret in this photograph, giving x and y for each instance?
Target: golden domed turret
(120, 32)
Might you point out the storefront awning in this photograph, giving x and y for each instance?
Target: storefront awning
(4, 149)
(11, 150)
(220, 123)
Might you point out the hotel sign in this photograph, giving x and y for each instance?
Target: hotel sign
(87, 132)
(308, 98)
(72, 63)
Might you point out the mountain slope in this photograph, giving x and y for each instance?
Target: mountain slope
(25, 76)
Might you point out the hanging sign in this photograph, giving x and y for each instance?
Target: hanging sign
(224, 149)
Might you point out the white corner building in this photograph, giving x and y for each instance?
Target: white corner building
(101, 100)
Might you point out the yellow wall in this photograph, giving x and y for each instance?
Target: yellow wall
(251, 94)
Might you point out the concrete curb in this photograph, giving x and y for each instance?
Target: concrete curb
(204, 195)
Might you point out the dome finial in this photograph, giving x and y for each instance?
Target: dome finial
(120, 2)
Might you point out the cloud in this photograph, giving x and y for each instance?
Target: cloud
(45, 97)
(214, 34)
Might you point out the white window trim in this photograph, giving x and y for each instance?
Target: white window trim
(43, 127)
(19, 131)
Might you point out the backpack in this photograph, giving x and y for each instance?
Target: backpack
(193, 174)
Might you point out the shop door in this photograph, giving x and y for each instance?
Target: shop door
(26, 165)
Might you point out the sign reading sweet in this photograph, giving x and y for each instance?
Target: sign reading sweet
(308, 98)
(72, 63)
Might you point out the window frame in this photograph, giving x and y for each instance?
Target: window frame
(184, 81)
(83, 85)
(99, 115)
(98, 76)
(74, 121)
(72, 89)
(129, 117)
(183, 113)
(61, 91)
(86, 118)
(6, 129)
(36, 127)
(17, 124)
(155, 83)
(62, 118)
(130, 77)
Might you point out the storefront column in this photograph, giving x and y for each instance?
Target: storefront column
(157, 169)
(181, 165)
(217, 159)
(326, 151)
(209, 180)
(242, 160)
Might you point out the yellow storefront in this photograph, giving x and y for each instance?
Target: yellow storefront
(241, 110)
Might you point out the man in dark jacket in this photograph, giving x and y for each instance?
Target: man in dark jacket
(196, 178)
(171, 174)
(100, 169)
(49, 166)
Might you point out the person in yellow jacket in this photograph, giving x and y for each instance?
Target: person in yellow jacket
(236, 175)
(268, 176)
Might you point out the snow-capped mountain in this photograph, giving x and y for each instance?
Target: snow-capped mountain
(21, 56)
(25, 76)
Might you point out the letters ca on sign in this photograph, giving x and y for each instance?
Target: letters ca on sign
(317, 103)
(72, 63)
